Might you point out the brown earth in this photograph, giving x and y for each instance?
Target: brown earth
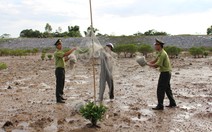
(30, 103)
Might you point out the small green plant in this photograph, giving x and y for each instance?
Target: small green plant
(49, 56)
(43, 56)
(93, 112)
(3, 66)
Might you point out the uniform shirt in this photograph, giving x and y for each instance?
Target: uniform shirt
(59, 61)
(163, 61)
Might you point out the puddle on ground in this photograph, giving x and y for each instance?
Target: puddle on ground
(81, 76)
(45, 85)
(147, 112)
(24, 124)
(124, 108)
(188, 107)
(139, 119)
(67, 80)
(52, 127)
(182, 117)
(80, 82)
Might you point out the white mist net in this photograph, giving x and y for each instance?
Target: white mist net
(91, 52)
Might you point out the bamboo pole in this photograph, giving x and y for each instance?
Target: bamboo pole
(92, 37)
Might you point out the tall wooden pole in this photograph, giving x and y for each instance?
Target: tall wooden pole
(92, 37)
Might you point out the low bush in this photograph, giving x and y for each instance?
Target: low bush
(3, 66)
(43, 56)
(172, 51)
(49, 56)
(205, 53)
(196, 52)
(126, 49)
(145, 49)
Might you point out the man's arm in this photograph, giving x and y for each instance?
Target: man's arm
(153, 63)
(69, 52)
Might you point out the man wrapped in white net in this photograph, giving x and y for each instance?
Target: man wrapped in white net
(106, 72)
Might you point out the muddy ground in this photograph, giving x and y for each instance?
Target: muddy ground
(30, 103)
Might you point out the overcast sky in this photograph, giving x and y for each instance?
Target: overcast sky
(116, 17)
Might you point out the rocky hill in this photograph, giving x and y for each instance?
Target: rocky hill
(180, 41)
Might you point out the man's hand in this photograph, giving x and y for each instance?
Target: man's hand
(152, 65)
(69, 52)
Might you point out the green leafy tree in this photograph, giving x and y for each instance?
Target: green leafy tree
(172, 51)
(154, 33)
(29, 33)
(118, 49)
(74, 31)
(88, 32)
(48, 28)
(131, 49)
(209, 30)
(196, 51)
(205, 53)
(145, 49)
(126, 49)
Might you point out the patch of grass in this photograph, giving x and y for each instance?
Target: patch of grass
(49, 56)
(3, 66)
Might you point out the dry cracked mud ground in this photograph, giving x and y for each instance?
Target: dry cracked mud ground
(30, 103)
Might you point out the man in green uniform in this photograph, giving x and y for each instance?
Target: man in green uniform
(60, 58)
(162, 61)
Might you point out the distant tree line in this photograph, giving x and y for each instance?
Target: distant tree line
(74, 31)
(151, 32)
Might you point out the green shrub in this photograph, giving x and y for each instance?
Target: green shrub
(118, 49)
(172, 51)
(196, 51)
(3, 66)
(126, 49)
(15, 52)
(43, 56)
(49, 56)
(145, 49)
(35, 51)
(131, 49)
(205, 53)
(210, 49)
(93, 112)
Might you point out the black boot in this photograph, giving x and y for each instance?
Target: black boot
(158, 108)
